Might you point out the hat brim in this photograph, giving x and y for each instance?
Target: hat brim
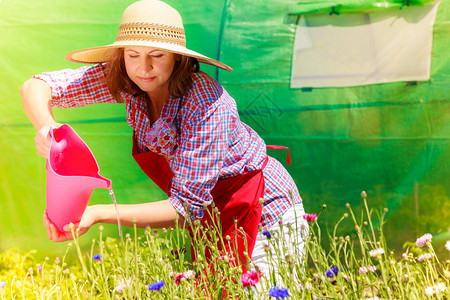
(102, 54)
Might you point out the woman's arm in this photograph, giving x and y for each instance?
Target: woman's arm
(159, 214)
(65, 88)
(36, 97)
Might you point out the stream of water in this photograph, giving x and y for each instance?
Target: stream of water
(111, 192)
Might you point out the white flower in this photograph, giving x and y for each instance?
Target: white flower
(447, 245)
(376, 252)
(435, 289)
(189, 274)
(440, 287)
(429, 291)
(372, 269)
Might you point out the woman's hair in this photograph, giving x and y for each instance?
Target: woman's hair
(118, 81)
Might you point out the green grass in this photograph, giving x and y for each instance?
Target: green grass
(358, 265)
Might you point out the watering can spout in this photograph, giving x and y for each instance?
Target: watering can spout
(102, 182)
(72, 174)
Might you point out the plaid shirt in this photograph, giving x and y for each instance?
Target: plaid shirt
(209, 140)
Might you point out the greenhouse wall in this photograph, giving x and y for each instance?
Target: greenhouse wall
(390, 140)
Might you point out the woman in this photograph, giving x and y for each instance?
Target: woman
(187, 136)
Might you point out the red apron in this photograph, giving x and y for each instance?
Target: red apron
(237, 198)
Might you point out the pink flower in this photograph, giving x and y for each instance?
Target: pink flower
(423, 240)
(308, 286)
(363, 270)
(372, 269)
(224, 258)
(122, 285)
(425, 256)
(310, 217)
(250, 278)
(180, 276)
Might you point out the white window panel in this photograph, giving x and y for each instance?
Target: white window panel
(359, 49)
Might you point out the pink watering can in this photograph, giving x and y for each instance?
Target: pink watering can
(72, 174)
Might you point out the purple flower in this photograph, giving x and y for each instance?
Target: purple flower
(156, 286)
(278, 292)
(266, 233)
(97, 257)
(2, 284)
(175, 252)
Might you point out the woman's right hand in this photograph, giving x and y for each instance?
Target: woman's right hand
(43, 139)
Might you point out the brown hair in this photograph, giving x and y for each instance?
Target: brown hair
(118, 81)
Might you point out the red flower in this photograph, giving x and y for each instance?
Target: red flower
(178, 278)
(250, 278)
(310, 217)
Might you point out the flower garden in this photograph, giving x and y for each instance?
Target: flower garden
(157, 265)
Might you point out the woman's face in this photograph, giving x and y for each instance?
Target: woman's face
(150, 69)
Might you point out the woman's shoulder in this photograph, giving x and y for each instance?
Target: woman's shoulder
(205, 97)
(205, 86)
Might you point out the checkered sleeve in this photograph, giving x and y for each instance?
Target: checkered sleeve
(201, 153)
(77, 87)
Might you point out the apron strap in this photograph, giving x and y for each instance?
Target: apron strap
(275, 147)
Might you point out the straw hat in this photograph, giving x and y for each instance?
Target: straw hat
(151, 23)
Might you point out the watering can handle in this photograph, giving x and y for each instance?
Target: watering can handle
(50, 133)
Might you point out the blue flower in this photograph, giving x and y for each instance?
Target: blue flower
(97, 257)
(266, 233)
(335, 270)
(156, 286)
(329, 273)
(278, 292)
(2, 284)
